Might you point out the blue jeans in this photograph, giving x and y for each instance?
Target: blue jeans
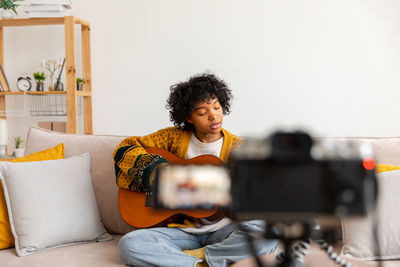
(163, 246)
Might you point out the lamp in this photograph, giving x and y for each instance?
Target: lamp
(3, 138)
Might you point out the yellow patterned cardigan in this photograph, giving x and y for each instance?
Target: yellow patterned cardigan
(135, 169)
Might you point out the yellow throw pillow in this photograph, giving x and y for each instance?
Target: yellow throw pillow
(56, 152)
(385, 168)
(6, 237)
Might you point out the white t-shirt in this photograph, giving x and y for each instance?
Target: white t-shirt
(198, 148)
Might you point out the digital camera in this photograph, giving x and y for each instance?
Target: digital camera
(286, 174)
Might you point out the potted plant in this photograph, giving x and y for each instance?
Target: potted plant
(19, 151)
(9, 6)
(39, 78)
(79, 84)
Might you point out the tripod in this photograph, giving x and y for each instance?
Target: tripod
(288, 235)
(294, 236)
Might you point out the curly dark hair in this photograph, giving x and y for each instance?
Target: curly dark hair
(185, 95)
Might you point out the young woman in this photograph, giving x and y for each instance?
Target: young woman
(197, 108)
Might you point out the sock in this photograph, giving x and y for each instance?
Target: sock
(199, 253)
(202, 264)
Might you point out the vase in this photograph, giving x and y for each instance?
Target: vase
(7, 14)
(51, 86)
(39, 86)
(19, 152)
(79, 86)
(60, 86)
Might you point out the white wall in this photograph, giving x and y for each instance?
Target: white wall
(332, 67)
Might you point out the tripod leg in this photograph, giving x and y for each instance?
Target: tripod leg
(251, 246)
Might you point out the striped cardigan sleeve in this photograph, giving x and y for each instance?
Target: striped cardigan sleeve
(134, 167)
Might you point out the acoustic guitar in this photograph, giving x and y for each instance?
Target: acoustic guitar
(135, 212)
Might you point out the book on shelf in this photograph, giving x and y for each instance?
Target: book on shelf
(3, 80)
(49, 14)
(34, 8)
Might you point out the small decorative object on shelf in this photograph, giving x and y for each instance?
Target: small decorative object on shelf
(19, 151)
(18, 141)
(9, 6)
(4, 85)
(24, 83)
(3, 138)
(59, 85)
(39, 78)
(79, 84)
(51, 65)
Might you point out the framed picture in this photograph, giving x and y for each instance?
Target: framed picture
(3, 80)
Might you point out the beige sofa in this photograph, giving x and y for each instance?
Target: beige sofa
(106, 253)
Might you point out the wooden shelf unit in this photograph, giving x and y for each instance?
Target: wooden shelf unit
(70, 67)
(34, 93)
(79, 93)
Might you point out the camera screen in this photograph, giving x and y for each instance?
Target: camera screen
(287, 188)
(298, 187)
(193, 187)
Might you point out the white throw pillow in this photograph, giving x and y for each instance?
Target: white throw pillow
(358, 241)
(51, 203)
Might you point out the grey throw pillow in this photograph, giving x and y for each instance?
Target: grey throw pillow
(51, 203)
(358, 240)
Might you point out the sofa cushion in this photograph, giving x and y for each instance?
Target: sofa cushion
(51, 203)
(358, 240)
(386, 167)
(85, 255)
(101, 149)
(6, 237)
(386, 149)
(53, 153)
